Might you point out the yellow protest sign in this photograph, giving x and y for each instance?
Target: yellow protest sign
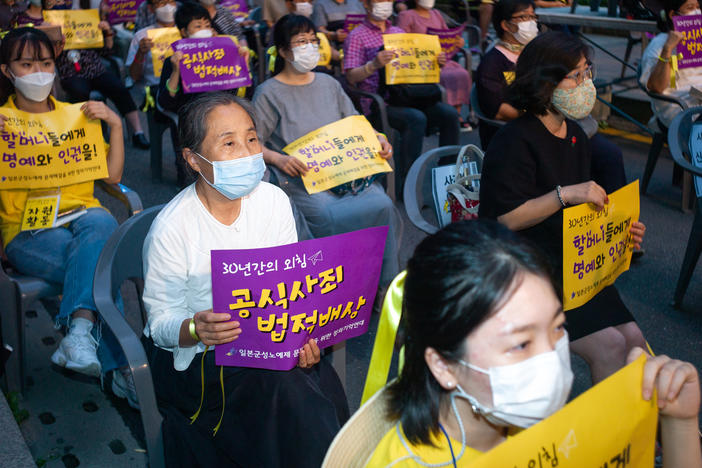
(337, 153)
(609, 425)
(415, 58)
(596, 245)
(40, 212)
(79, 26)
(52, 149)
(161, 50)
(324, 50)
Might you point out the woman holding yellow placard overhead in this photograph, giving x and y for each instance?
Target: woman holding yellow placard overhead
(538, 164)
(297, 101)
(486, 354)
(66, 254)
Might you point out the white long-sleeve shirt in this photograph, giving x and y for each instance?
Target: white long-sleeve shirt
(177, 272)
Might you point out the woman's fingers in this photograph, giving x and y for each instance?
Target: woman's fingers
(302, 361)
(314, 352)
(651, 370)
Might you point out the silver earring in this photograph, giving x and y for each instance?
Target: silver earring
(449, 384)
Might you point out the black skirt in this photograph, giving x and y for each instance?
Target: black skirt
(271, 418)
(604, 310)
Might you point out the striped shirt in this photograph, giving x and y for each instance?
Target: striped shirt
(225, 23)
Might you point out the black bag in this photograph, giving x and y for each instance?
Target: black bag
(419, 96)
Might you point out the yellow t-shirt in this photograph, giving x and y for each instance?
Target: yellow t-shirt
(391, 450)
(12, 201)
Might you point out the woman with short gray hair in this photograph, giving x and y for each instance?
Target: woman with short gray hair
(228, 207)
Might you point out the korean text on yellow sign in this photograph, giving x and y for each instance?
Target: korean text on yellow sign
(415, 58)
(337, 153)
(609, 425)
(597, 245)
(161, 50)
(79, 26)
(52, 149)
(40, 212)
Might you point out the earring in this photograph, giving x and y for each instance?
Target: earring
(449, 384)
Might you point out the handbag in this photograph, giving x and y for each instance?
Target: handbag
(419, 96)
(463, 196)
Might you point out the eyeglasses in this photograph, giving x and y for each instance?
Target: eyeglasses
(579, 77)
(522, 18)
(304, 42)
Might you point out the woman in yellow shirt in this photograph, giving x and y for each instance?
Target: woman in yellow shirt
(486, 353)
(67, 254)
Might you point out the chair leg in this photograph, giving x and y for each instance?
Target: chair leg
(156, 150)
(653, 153)
(14, 367)
(692, 254)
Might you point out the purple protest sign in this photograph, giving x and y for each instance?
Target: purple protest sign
(211, 64)
(353, 20)
(691, 44)
(322, 289)
(450, 39)
(122, 11)
(239, 8)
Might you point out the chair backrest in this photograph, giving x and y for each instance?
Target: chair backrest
(356, 441)
(475, 104)
(418, 191)
(686, 153)
(121, 260)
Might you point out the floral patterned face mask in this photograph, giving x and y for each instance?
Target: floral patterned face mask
(575, 103)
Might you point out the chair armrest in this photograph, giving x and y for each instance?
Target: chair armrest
(380, 102)
(657, 96)
(467, 57)
(127, 196)
(676, 146)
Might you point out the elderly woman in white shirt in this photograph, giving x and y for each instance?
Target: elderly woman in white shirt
(268, 418)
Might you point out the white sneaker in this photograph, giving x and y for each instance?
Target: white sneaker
(123, 387)
(78, 352)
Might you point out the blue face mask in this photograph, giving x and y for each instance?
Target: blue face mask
(238, 177)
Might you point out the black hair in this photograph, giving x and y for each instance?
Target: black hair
(456, 279)
(543, 63)
(189, 11)
(665, 24)
(504, 10)
(284, 30)
(192, 117)
(12, 47)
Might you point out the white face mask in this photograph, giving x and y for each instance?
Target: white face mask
(526, 392)
(303, 9)
(305, 57)
(381, 10)
(428, 4)
(166, 13)
(694, 12)
(35, 86)
(201, 34)
(527, 31)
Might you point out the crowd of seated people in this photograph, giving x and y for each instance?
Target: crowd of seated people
(548, 155)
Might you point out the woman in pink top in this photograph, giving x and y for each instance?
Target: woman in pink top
(456, 79)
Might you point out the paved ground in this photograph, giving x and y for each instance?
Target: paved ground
(72, 421)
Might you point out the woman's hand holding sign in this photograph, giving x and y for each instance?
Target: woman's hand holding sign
(678, 393)
(212, 329)
(309, 355)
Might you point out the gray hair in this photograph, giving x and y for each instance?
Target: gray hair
(192, 117)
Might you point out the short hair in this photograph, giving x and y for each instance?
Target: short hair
(284, 30)
(504, 10)
(12, 47)
(189, 11)
(192, 117)
(456, 279)
(543, 63)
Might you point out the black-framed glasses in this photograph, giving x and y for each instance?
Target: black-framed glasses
(524, 17)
